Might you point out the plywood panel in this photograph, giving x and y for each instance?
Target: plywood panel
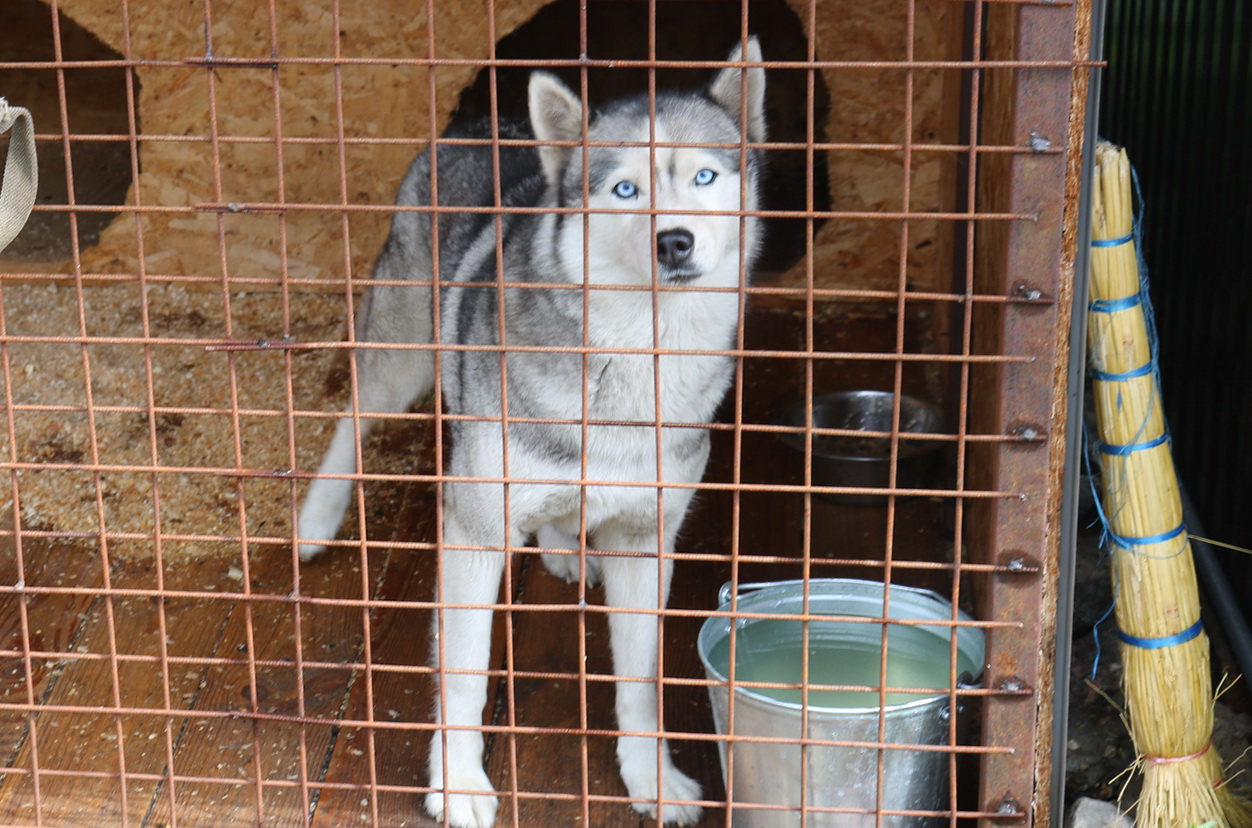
(217, 118)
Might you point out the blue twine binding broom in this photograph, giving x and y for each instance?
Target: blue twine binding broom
(1165, 652)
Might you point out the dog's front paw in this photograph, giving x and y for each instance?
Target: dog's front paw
(677, 789)
(465, 810)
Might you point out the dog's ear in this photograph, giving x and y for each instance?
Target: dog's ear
(729, 83)
(556, 114)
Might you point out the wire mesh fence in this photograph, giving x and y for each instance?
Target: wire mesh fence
(662, 318)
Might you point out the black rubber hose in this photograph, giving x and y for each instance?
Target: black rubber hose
(1222, 601)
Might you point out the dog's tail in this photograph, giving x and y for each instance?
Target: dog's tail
(396, 310)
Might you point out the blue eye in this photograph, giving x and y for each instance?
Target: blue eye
(624, 189)
(705, 176)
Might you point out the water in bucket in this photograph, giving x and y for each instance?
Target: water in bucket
(840, 782)
(840, 653)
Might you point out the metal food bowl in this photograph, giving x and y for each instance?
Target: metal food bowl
(865, 462)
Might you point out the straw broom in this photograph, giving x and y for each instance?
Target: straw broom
(1165, 654)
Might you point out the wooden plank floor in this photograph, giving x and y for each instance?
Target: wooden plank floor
(233, 659)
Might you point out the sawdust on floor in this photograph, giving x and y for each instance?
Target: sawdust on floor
(111, 463)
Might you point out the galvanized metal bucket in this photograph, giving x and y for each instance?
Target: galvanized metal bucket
(840, 783)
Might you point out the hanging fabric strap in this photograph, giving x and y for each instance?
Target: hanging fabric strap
(21, 176)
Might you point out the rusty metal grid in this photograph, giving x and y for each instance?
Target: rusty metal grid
(1007, 300)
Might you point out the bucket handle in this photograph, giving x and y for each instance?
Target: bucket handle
(724, 594)
(964, 681)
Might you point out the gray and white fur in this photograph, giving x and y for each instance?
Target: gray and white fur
(692, 247)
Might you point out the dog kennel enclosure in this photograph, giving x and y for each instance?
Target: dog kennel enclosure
(218, 177)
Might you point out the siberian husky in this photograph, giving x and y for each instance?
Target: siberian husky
(603, 255)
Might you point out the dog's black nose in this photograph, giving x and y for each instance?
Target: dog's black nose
(673, 247)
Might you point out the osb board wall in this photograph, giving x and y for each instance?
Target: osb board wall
(390, 101)
(868, 106)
